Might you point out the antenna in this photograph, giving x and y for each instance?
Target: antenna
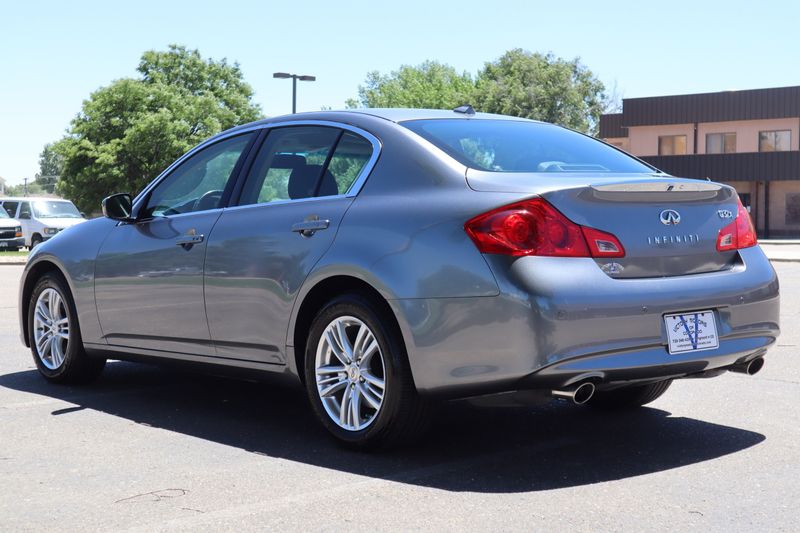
(465, 109)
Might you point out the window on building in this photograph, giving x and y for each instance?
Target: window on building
(793, 209)
(672, 145)
(720, 143)
(774, 141)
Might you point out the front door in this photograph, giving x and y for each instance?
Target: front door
(149, 274)
(262, 250)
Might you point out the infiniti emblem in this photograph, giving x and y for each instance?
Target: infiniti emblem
(670, 217)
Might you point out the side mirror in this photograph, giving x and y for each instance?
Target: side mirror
(118, 207)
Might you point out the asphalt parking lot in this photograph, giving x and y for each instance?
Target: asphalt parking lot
(151, 449)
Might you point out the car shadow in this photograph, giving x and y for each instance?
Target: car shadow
(469, 448)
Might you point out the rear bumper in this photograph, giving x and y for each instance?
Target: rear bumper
(558, 320)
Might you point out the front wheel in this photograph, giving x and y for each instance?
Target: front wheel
(629, 397)
(54, 335)
(36, 240)
(358, 378)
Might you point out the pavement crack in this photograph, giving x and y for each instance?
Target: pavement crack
(155, 496)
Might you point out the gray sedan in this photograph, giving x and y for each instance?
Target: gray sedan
(384, 259)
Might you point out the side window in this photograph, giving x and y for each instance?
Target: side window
(290, 165)
(11, 208)
(349, 159)
(25, 211)
(197, 184)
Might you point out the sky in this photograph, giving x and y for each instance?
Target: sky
(54, 54)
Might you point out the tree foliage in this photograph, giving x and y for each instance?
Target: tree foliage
(51, 163)
(431, 85)
(541, 87)
(519, 83)
(130, 130)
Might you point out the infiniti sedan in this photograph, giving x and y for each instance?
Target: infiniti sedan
(384, 259)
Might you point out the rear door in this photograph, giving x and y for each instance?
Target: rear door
(149, 274)
(298, 188)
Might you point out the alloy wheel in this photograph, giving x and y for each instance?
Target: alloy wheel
(350, 373)
(51, 328)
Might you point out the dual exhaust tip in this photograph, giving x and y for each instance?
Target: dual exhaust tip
(581, 393)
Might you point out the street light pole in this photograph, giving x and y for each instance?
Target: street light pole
(295, 77)
(294, 95)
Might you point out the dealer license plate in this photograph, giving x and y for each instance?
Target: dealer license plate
(3, 245)
(691, 332)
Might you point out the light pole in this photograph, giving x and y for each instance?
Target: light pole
(295, 77)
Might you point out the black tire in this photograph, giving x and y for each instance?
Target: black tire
(629, 397)
(77, 367)
(403, 414)
(35, 241)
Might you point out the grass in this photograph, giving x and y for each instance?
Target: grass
(20, 253)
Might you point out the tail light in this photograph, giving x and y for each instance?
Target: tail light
(534, 227)
(738, 234)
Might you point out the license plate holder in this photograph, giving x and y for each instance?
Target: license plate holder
(691, 332)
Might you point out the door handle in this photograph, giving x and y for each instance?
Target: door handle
(307, 228)
(187, 241)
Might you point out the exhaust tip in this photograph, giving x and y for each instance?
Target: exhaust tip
(583, 393)
(755, 366)
(578, 395)
(750, 367)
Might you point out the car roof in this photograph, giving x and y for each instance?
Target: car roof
(396, 115)
(404, 114)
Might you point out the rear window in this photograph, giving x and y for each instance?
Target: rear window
(517, 146)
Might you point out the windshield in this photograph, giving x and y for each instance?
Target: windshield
(3, 214)
(55, 209)
(518, 146)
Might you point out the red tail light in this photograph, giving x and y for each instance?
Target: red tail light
(534, 227)
(738, 234)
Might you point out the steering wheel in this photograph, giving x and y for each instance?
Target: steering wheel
(209, 200)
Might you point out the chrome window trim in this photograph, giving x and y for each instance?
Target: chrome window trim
(353, 191)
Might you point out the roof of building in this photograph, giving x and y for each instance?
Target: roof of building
(753, 104)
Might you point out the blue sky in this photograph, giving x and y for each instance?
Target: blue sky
(54, 54)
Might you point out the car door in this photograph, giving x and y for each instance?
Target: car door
(149, 274)
(298, 188)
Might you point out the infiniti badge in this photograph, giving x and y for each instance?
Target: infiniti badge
(670, 217)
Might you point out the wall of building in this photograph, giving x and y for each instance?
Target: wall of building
(747, 132)
(778, 191)
(620, 142)
(644, 139)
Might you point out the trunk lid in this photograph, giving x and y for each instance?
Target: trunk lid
(668, 226)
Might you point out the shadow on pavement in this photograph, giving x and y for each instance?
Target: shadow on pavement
(499, 449)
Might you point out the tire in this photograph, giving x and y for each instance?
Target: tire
(59, 359)
(629, 397)
(401, 414)
(35, 241)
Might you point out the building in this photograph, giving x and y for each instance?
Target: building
(747, 139)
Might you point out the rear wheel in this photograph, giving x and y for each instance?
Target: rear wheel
(629, 397)
(357, 376)
(54, 335)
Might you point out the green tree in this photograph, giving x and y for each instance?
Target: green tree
(51, 163)
(542, 87)
(429, 85)
(130, 130)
